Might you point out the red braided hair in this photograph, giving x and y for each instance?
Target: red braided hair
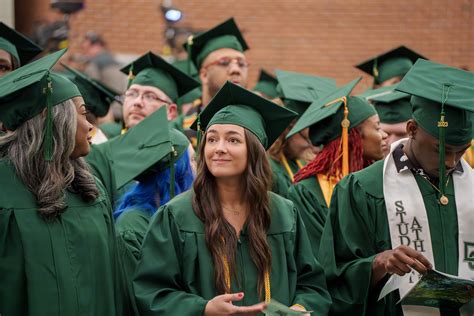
(329, 160)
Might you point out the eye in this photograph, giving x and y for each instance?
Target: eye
(211, 140)
(234, 140)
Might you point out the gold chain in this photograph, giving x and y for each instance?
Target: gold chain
(443, 199)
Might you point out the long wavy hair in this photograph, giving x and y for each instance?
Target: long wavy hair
(48, 180)
(154, 190)
(221, 237)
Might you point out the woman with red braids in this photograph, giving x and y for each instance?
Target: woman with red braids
(349, 129)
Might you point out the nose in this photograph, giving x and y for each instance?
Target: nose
(221, 147)
(384, 134)
(234, 68)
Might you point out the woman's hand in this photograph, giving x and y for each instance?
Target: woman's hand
(222, 305)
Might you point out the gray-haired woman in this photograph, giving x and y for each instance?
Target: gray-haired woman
(57, 243)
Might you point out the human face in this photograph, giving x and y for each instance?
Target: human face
(225, 151)
(6, 62)
(373, 138)
(425, 149)
(83, 130)
(394, 132)
(216, 70)
(141, 101)
(299, 144)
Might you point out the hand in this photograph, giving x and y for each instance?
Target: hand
(299, 308)
(399, 261)
(222, 305)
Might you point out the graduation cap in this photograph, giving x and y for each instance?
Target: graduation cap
(194, 94)
(443, 102)
(299, 90)
(19, 46)
(224, 35)
(28, 90)
(152, 70)
(395, 62)
(151, 145)
(97, 96)
(391, 105)
(333, 116)
(267, 85)
(239, 106)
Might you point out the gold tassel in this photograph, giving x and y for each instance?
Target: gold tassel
(345, 140)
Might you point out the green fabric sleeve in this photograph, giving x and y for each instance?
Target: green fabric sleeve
(158, 282)
(312, 212)
(311, 289)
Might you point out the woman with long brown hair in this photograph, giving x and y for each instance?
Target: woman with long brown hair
(229, 244)
(349, 129)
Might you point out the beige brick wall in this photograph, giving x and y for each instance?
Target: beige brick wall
(325, 37)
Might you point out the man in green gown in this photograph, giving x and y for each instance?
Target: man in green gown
(175, 275)
(154, 83)
(410, 210)
(62, 265)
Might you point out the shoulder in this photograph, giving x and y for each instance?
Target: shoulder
(283, 215)
(370, 180)
(135, 220)
(180, 208)
(13, 193)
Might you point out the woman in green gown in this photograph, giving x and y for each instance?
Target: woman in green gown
(229, 244)
(58, 252)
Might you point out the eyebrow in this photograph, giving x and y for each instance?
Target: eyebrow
(226, 133)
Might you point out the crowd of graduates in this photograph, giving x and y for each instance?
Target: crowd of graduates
(214, 198)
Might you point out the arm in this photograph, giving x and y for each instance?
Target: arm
(158, 279)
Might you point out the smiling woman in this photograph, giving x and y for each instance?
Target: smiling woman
(58, 246)
(229, 246)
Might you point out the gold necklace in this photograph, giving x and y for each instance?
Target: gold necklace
(233, 210)
(443, 199)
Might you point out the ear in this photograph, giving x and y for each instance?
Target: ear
(172, 111)
(203, 76)
(412, 128)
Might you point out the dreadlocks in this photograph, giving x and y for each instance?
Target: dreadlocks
(329, 160)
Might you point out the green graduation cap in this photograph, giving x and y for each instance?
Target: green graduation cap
(152, 70)
(19, 46)
(239, 106)
(194, 94)
(267, 85)
(224, 35)
(27, 91)
(97, 96)
(395, 62)
(333, 116)
(443, 102)
(299, 90)
(151, 145)
(391, 105)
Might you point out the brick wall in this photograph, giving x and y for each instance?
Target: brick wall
(325, 37)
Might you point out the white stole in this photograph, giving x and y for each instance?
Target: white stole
(408, 221)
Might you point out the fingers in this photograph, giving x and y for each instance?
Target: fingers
(249, 309)
(232, 297)
(420, 263)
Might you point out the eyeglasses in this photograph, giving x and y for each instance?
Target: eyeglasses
(148, 97)
(225, 62)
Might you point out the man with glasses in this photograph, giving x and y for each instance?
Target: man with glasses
(218, 54)
(153, 83)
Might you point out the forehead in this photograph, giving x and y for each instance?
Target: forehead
(5, 56)
(144, 89)
(223, 52)
(226, 129)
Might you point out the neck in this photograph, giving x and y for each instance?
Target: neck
(206, 96)
(230, 191)
(408, 150)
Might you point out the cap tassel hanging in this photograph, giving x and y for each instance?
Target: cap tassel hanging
(375, 71)
(173, 156)
(188, 50)
(442, 125)
(131, 76)
(345, 123)
(48, 133)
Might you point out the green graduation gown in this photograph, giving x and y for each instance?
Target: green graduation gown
(309, 200)
(175, 273)
(357, 230)
(281, 178)
(67, 266)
